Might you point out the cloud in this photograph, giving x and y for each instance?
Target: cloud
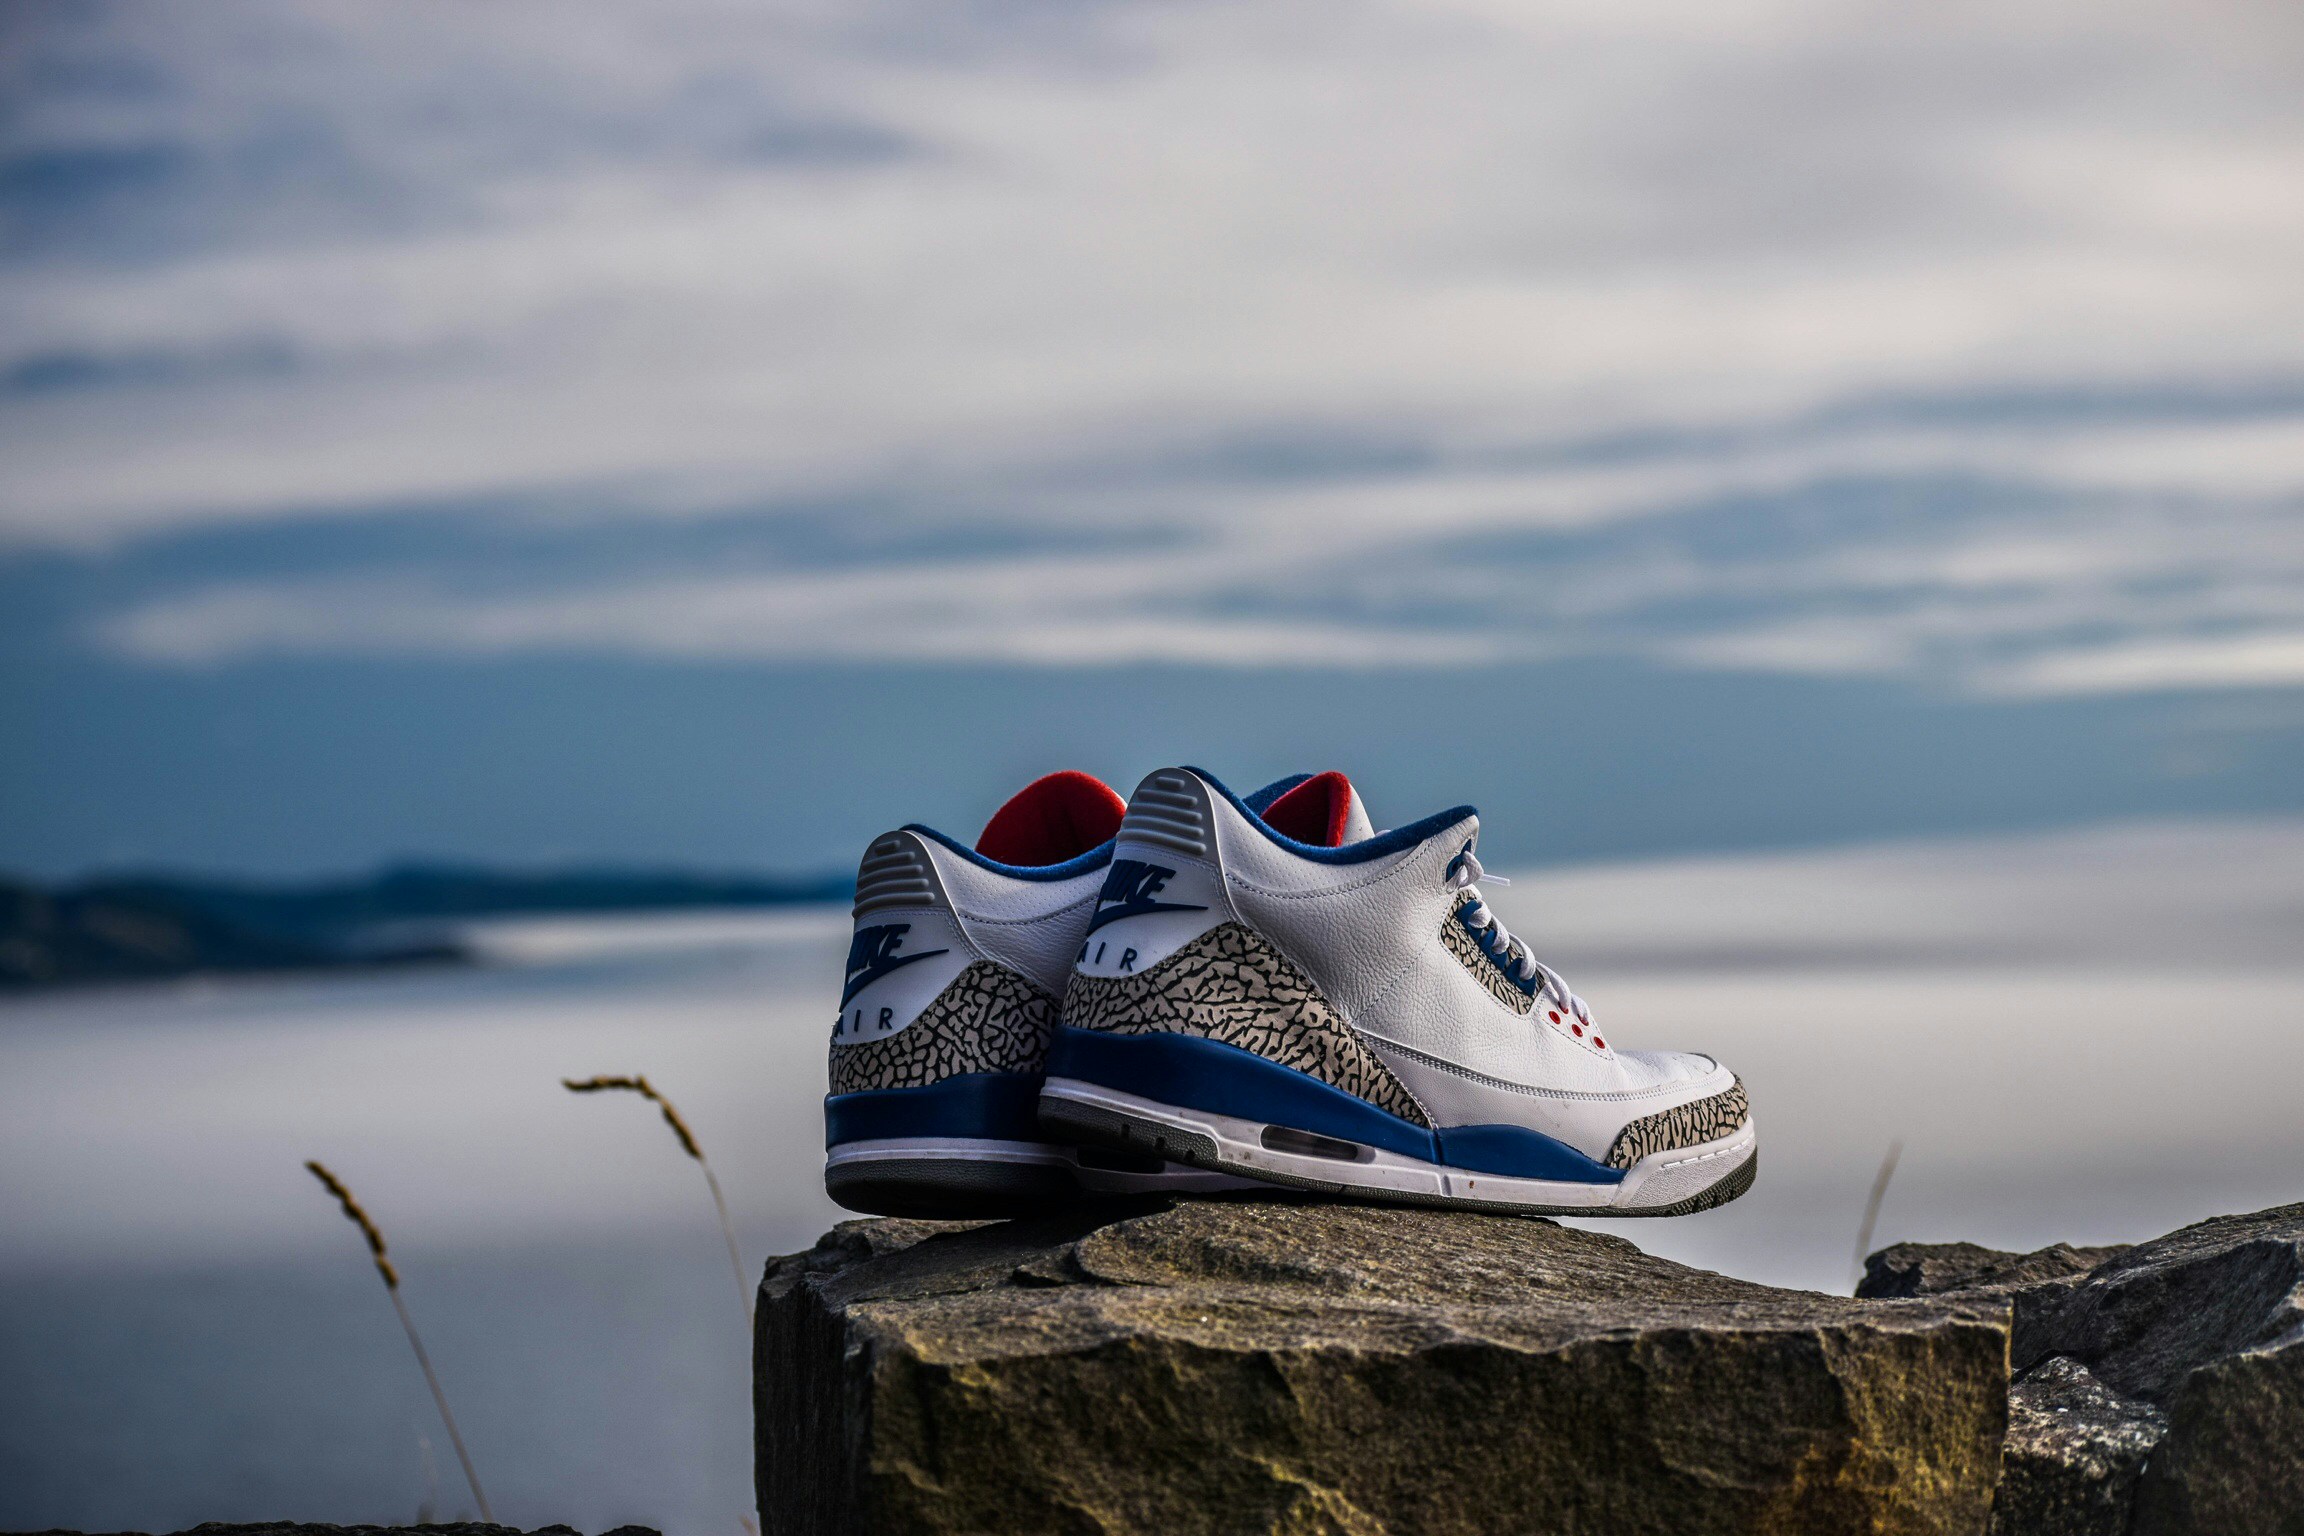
(2259, 660)
(1964, 344)
(937, 614)
(1978, 583)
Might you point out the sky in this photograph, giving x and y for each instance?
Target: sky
(712, 434)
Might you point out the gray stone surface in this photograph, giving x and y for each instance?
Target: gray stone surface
(2074, 1452)
(1938, 1269)
(2205, 1326)
(1266, 1366)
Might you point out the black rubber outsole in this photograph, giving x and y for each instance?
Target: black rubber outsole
(1098, 1125)
(951, 1188)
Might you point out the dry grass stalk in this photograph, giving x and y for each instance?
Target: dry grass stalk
(360, 1219)
(689, 1145)
(1872, 1206)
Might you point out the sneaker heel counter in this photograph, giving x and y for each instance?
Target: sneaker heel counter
(1165, 885)
(903, 953)
(988, 1020)
(922, 1003)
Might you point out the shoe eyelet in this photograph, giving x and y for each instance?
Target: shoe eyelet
(1555, 1017)
(1577, 1030)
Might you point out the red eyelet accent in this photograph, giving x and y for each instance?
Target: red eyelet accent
(1579, 1030)
(1596, 1040)
(1555, 1018)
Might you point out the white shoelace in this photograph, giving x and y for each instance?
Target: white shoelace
(1465, 875)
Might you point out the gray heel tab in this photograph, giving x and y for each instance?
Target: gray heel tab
(896, 872)
(1170, 810)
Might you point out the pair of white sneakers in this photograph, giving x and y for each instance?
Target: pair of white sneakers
(1191, 990)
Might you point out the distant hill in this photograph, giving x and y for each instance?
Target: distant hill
(134, 927)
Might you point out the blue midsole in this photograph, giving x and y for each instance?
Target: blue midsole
(1190, 1073)
(985, 1106)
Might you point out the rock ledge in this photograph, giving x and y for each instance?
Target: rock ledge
(1221, 1366)
(2159, 1389)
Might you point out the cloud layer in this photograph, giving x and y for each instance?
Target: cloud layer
(1964, 344)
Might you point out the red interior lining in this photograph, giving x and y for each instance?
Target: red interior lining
(1052, 819)
(1314, 811)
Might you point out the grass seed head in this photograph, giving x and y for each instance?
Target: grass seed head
(359, 1218)
(689, 1145)
(642, 1087)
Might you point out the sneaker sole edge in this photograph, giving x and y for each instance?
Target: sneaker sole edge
(964, 1178)
(949, 1178)
(1678, 1182)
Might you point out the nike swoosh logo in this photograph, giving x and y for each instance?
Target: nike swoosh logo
(1113, 914)
(863, 979)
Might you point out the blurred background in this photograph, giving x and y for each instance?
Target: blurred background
(1827, 482)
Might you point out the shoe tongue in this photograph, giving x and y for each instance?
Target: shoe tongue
(1325, 811)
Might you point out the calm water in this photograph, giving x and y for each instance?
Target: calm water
(2092, 1037)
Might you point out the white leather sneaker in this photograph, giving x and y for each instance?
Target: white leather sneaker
(1288, 996)
(956, 974)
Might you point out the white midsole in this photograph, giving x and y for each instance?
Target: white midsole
(1660, 1179)
(963, 1148)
